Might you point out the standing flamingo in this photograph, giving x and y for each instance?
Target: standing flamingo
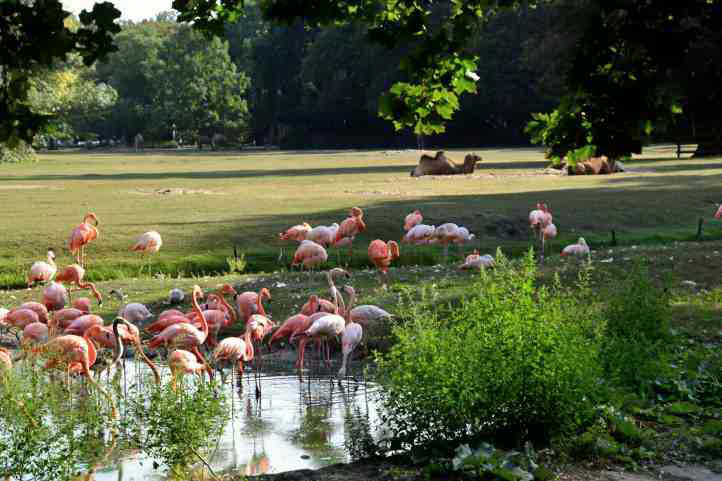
(296, 323)
(445, 234)
(324, 304)
(55, 296)
(250, 303)
(296, 233)
(309, 255)
(182, 362)
(43, 271)
(350, 228)
(234, 350)
(6, 360)
(76, 354)
(413, 219)
(382, 254)
(148, 243)
(352, 333)
(548, 232)
(83, 235)
(122, 332)
(324, 327)
(185, 335)
(74, 274)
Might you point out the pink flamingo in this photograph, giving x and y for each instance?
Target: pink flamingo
(579, 249)
(548, 232)
(323, 235)
(127, 333)
(35, 333)
(83, 304)
(352, 333)
(43, 271)
(134, 312)
(718, 214)
(413, 219)
(324, 304)
(234, 350)
(182, 362)
(64, 317)
(74, 274)
(217, 319)
(296, 323)
(419, 234)
(250, 303)
(20, 318)
(539, 219)
(296, 233)
(148, 243)
(83, 235)
(309, 255)
(351, 227)
(83, 323)
(476, 261)
(6, 360)
(55, 296)
(39, 309)
(185, 335)
(76, 354)
(382, 254)
(324, 326)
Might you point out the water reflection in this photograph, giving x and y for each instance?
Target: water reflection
(298, 423)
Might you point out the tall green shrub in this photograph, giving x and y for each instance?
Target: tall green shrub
(636, 341)
(513, 358)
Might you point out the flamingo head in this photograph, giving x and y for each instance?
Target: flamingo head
(51, 253)
(394, 248)
(349, 290)
(581, 241)
(92, 216)
(227, 289)
(417, 212)
(265, 294)
(197, 292)
(718, 214)
(314, 305)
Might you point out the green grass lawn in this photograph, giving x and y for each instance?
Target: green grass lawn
(204, 204)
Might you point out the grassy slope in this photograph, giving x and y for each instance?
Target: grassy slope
(245, 199)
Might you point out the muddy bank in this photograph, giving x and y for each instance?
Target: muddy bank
(381, 470)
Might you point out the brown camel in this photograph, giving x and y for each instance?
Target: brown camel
(442, 165)
(594, 166)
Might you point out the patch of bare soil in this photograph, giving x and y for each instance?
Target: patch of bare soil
(174, 191)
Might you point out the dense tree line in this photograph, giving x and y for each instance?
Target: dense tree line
(287, 85)
(608, 74)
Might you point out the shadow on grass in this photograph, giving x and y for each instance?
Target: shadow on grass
(219, 174)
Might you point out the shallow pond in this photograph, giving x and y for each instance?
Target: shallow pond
(299, 422)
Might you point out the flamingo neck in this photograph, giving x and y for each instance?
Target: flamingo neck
(259, 303)
(249, 346)
(351, 302)
(91, 286)
(197, 309)
(230, 310)
(51, 260)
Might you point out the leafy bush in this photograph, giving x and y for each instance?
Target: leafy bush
(174, 426)
(43, 435)
(23, 152)
(635, 346)
(513, 358)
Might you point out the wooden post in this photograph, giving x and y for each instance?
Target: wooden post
(614, 238)
(235, 252)
(699, 228)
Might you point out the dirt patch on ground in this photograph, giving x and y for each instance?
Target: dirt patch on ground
(175, 191)
(360, 471)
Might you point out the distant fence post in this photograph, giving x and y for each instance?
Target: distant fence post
(699, 228)
(614, 238)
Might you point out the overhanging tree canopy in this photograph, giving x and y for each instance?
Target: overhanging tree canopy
(33, 35)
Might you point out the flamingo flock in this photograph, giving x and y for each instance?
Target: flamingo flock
(69, 337)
